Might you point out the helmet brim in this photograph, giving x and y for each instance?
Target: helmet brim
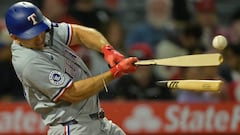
(34, 31)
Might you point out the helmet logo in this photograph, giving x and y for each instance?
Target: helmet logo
(32, 18)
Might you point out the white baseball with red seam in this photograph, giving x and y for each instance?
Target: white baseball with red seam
(219, 42)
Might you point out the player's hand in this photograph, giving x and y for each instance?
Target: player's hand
(124, 67)
(112, 56)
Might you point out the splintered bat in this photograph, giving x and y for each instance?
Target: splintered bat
(194, 85)
(213, 59)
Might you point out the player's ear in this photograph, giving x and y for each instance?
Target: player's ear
(15, 38)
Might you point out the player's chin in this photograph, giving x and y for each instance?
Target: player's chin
(39, 47)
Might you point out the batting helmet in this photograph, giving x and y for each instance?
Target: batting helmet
(25, 20)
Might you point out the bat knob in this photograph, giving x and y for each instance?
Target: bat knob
(162, 83)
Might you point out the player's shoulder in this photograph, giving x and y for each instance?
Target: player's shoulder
(62, 32)
(20, 52)
(61, 28)
(60, 25)
(23, 57)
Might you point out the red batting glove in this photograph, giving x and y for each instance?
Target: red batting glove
(112, 56)
(124, 67)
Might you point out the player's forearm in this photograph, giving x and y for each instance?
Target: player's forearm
(86, 88)
(89, 37)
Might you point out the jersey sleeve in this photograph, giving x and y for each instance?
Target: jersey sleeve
(46, 77)
(64, 32)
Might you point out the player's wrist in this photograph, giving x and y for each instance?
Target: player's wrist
(116, 71)
(105, 49)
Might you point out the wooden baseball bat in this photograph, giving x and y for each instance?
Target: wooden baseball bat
(194, 85)
(213, 59)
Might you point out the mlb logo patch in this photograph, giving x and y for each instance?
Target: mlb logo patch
(56, 78)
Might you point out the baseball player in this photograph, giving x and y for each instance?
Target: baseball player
(57, 84)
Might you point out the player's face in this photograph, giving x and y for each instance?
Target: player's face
(37, 42)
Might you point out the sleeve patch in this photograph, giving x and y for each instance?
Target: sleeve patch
(56, 78)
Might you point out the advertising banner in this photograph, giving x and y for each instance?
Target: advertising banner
(170, 117)
(138, 118)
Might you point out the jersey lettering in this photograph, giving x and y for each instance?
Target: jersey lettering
(32, 18)
(70, 68)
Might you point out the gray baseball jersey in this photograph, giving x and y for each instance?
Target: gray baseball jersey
(46, 74)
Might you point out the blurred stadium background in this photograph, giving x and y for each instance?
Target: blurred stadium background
(146, 29)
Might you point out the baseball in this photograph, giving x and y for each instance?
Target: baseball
(219, 42)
